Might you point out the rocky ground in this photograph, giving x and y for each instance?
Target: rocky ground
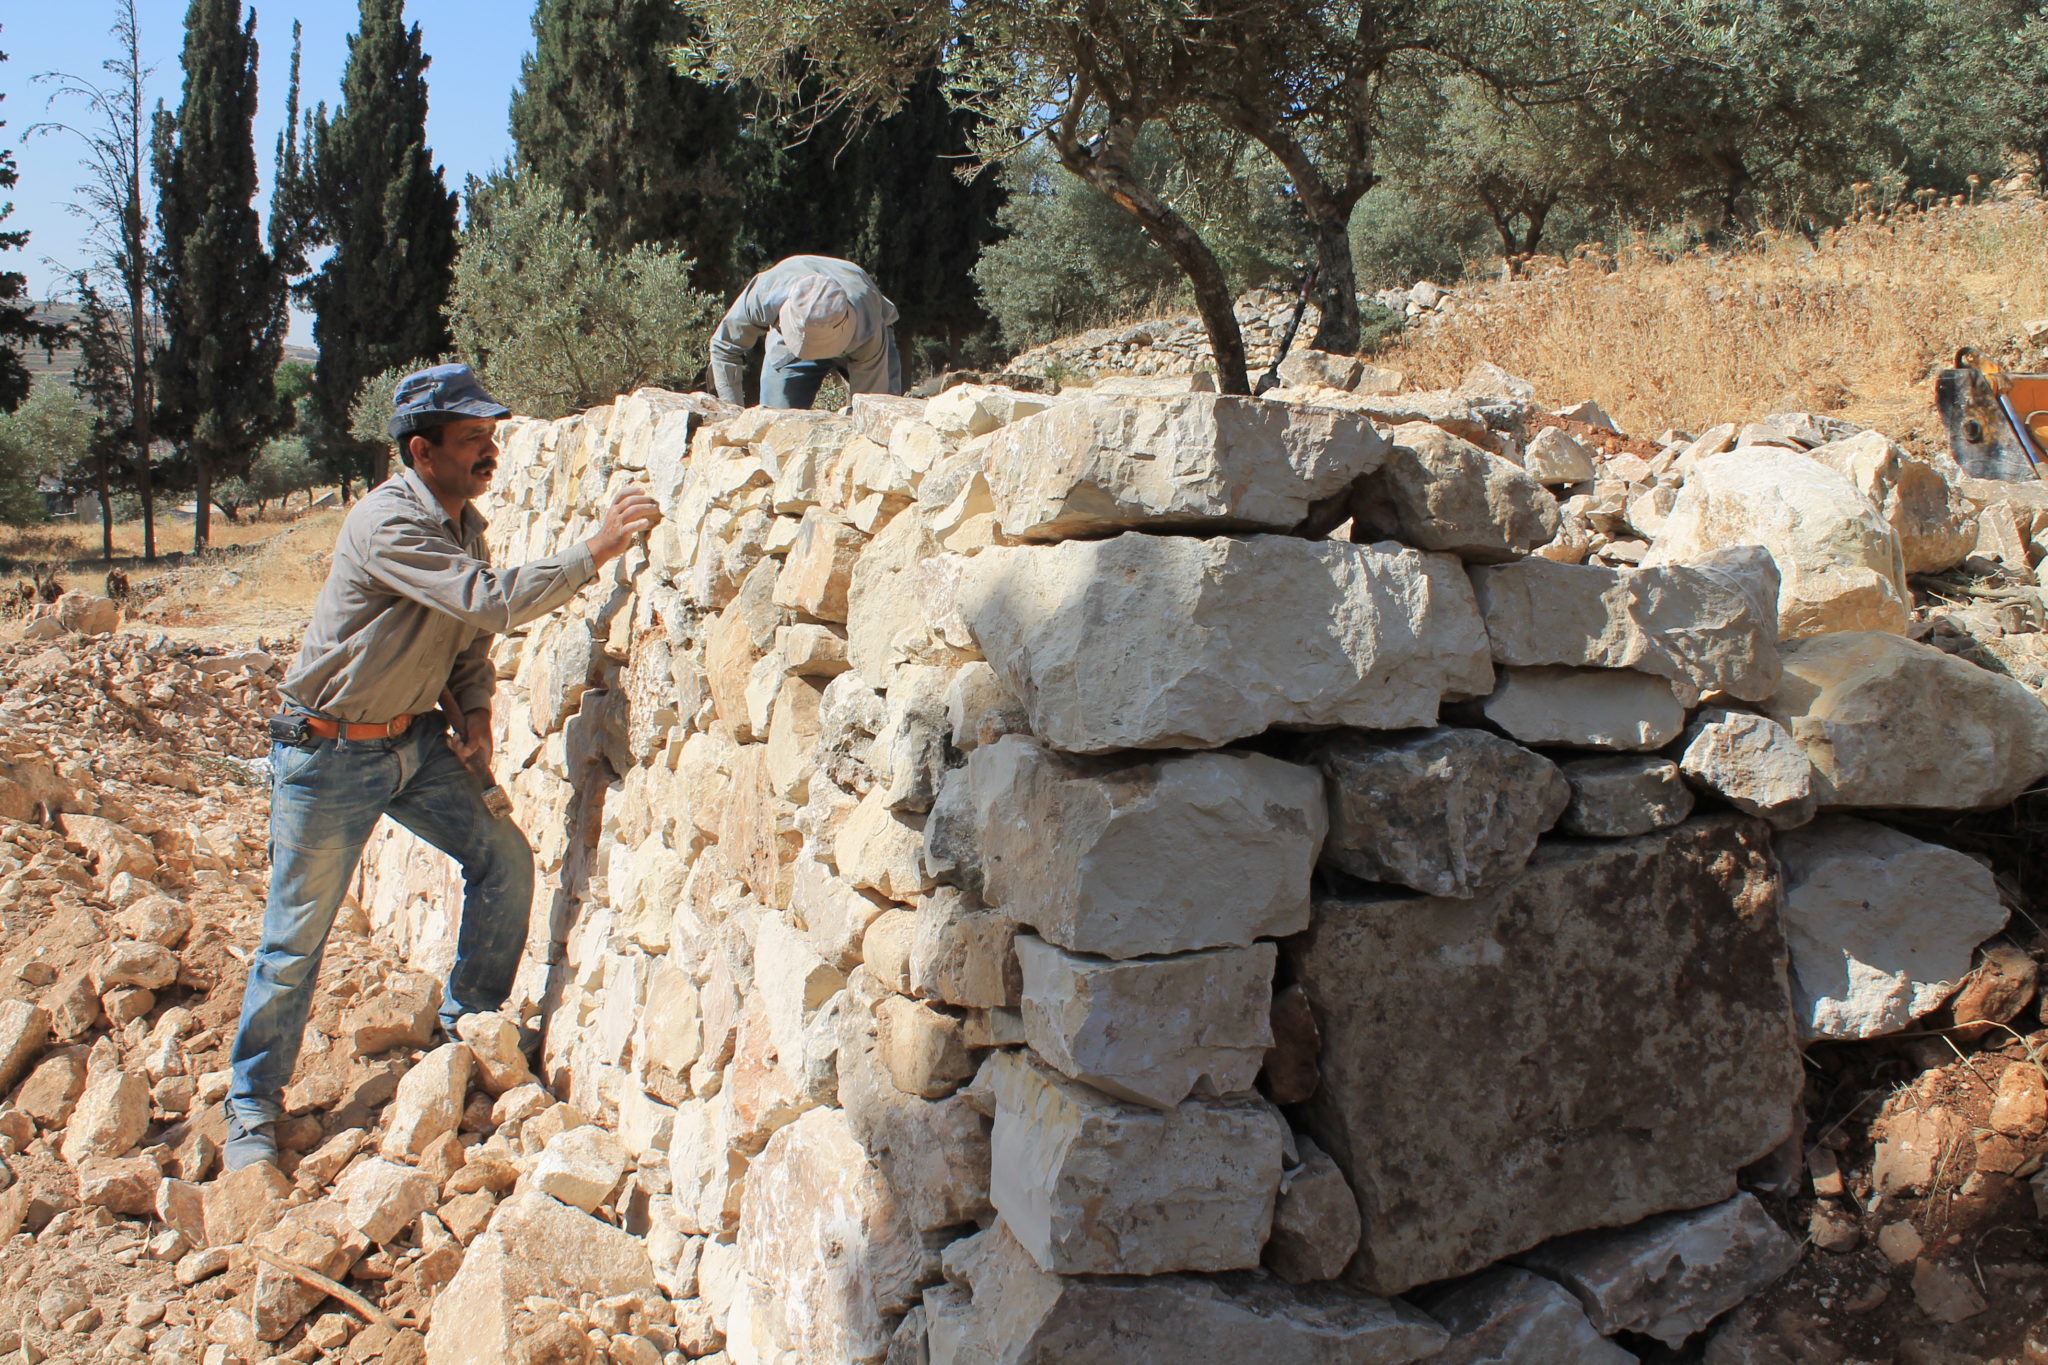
(132, 866)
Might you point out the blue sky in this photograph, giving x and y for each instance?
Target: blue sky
(475, 46)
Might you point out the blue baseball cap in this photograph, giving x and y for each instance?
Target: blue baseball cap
(437, 395)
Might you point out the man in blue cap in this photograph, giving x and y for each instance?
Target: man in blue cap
(408, 611)
(819, 315)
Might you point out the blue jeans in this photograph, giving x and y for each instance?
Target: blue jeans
(324, 802)
(787, 382)
(793, 383)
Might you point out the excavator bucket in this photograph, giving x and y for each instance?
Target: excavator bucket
(1997, 421)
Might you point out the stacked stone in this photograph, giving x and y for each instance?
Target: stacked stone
(1025, 872)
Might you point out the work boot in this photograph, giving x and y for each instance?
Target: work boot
(247, 1145)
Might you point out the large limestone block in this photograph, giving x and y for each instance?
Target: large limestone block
(1589, 708)
(535, 1245)
(1936, 527)
(1093, 1186)
(1125, 858)
(822, 1233)
(1449, 812)
(1437, 492)
(1151, 642)
(1711, 626)
(24, 1032)
(1198, 461)
(1510, 1317)
(1605, 1037)
(1882, 925)
(1840, 560)
(1752, 763)
(1889, 722)
(1010, 1312)
(1669, 1276)
(1151, 1030)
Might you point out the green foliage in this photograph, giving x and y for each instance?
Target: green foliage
(284, 466)
(18, 329)
(222, 294)
(378, 200)
(1399, 237)
(371, 410)
(643, 152)
(1071, 259)
(554, 325)
(46, 433)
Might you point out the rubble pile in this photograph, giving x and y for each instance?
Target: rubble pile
(1021, 872)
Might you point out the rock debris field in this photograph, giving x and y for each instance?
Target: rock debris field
(1350, 878)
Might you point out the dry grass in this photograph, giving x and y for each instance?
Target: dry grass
(260, 576)
(1856, 325)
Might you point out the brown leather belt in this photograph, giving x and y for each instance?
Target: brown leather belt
(334, 729)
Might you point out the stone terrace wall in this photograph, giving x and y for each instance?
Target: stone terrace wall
(1200, 873)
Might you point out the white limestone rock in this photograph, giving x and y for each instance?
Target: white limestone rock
(1003, 1309)
(1150, 1030)
(581, 1167)
(1437, 492)
(1589, 708)
(1218, 639)
(1450, 812)
(1094, 466)
(1710, 626)
(1840, 560)
(1669, 1276)
(1092, 1186)
(1752, 763)
(1124, 858)
(1887, 721)
(1510, 1317)
(823, 1235)
(1552, 458)
(428, 1102)
(961, 953)
(382, 1198)
(1935, 524)
(1881, 925)
(534, 1246)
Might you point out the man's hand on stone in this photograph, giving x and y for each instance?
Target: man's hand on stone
(631, 512)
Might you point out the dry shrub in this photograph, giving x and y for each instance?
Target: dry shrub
(1856, 325)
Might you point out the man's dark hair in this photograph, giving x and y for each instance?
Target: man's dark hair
(431, 433)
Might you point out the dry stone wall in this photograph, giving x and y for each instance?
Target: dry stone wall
(1026, 873)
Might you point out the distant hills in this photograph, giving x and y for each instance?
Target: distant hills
(65, 361)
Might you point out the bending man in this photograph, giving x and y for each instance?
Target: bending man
(819, 315)
(408, 611)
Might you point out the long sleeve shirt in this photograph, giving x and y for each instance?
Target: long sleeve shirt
(409, 607)
(872, 365)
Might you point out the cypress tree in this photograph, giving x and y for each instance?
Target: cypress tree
(222, 295)
(379, 201)
(18, 327)
(641, 151)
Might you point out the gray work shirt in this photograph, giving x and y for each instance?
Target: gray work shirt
(410, 605)
(872, 365)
